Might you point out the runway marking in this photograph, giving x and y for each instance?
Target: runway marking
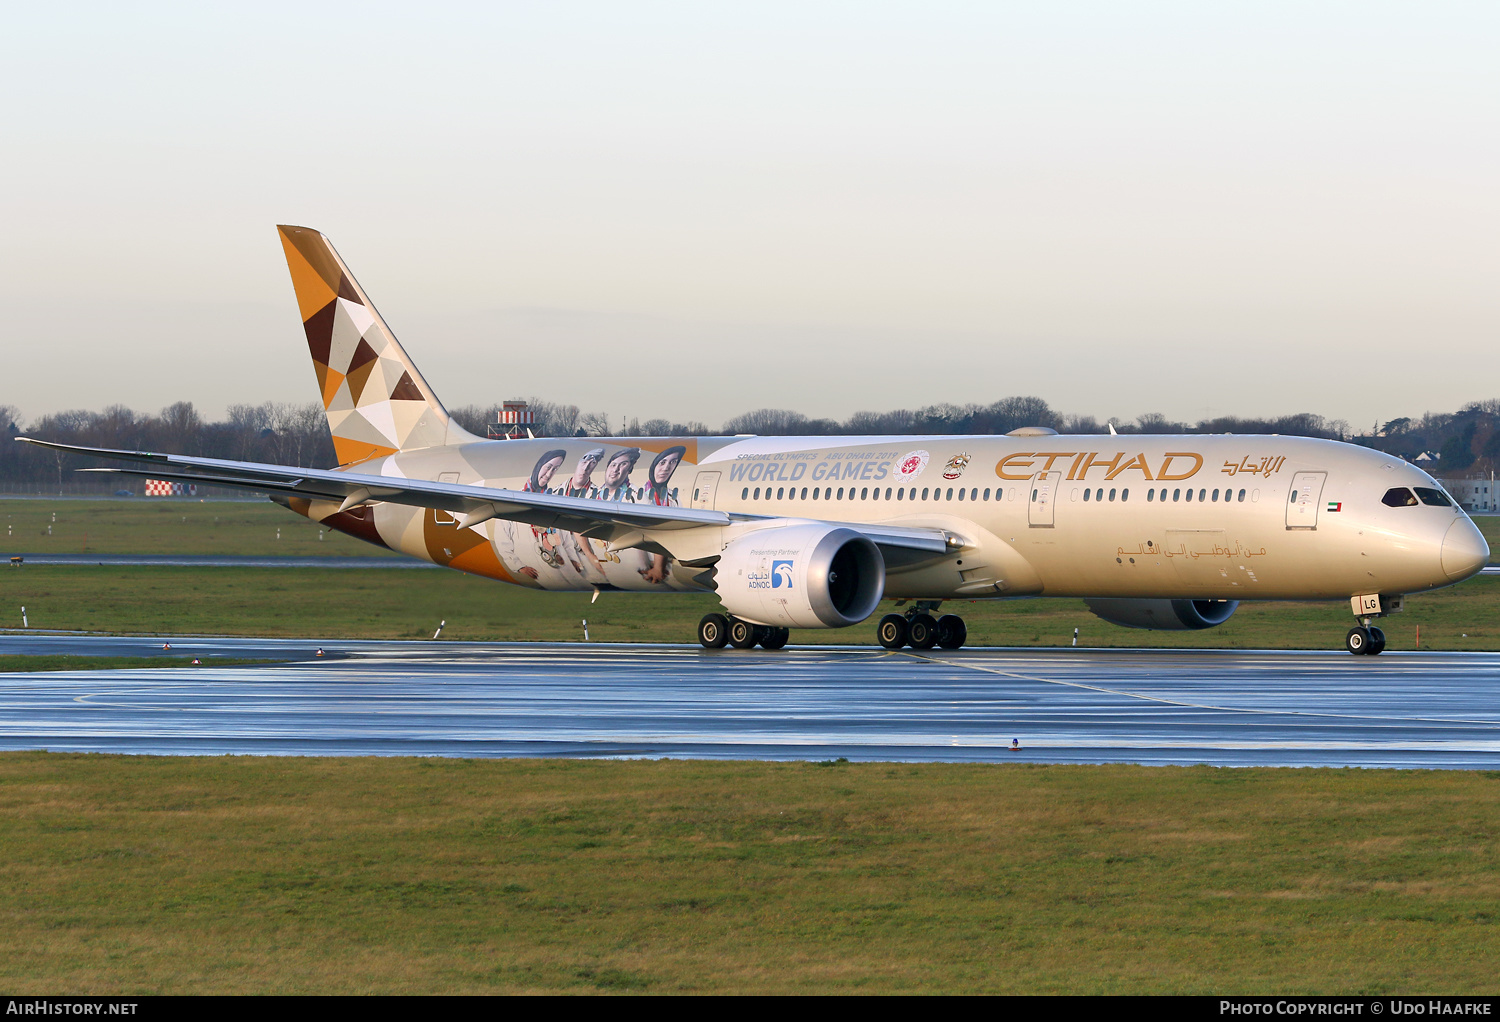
(1191, 705)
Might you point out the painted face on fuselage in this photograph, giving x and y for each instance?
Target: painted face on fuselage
(617, 472)
(547, 470)
(583, 474)
(665, 468)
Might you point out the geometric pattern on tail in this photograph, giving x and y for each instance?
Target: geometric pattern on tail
(377, 402)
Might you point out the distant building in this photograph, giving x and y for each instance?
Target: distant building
(1473, 494)
(512, 421)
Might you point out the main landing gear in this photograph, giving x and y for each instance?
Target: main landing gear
(918, 629)
(1364, 639)
(716, 631)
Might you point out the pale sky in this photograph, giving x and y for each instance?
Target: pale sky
(692, 210)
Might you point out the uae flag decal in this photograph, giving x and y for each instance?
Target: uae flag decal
(1335, 505)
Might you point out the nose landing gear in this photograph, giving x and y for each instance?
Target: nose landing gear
(1364, 638)
(1369, 641)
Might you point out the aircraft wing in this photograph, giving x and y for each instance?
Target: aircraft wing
(602, 519)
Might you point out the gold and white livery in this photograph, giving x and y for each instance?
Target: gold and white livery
(813, 532)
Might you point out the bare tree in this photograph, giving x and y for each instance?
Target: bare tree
(595, 423)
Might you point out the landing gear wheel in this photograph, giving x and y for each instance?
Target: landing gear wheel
(1377, 642)
(742, 634)
(1358, 640)
(891, 632)
(951, 631)
(775, 638)
(922, 631)
(713, 631)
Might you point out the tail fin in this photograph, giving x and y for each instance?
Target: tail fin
(376, 400)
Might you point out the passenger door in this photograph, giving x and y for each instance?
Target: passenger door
(1043, 496)
(703, 489)
(1302, 501)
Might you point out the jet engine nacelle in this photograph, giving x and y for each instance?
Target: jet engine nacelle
(801, 576)
(1167, 615)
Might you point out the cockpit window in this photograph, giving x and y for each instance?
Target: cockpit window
(1437, 498)
(1400, 496)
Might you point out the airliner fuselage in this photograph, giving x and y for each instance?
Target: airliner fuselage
(1129, 516)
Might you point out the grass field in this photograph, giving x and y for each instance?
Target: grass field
(403, 604)
(286, 875)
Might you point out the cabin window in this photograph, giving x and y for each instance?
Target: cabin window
(974, 493)
(1200, 495)
(1242, 496)
(780, 492)
(841, 493)
(864, 494)
(960, 494)
(987, 493)
(1150, 495)
(887, 493)
(1190, 496)
(901, 493)
(1099, 493)
(1176, 494)
(924, 493)
(950, 493)
(745, 493)
(804, 493)
(1399, 497)
(1216, 494)
(1111, 493)
(757, 493)
(1086, 495)
(1125, 493)
(1294, 497)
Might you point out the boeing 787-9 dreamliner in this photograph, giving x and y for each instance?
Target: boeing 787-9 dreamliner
(1166, 532)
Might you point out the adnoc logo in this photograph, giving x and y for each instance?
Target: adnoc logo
(781, 574)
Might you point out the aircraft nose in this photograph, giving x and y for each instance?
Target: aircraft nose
(1464, 550)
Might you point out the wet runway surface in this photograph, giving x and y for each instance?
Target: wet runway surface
(473, 699)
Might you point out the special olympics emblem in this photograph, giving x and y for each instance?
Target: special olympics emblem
(912, 465)
(955, 466)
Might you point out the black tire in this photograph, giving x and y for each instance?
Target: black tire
(891, 632)
(713, 631)
(952, 632)
(775, 638)
(1358, 640)
(1377, 642)
(742, 634)
(922, 632)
